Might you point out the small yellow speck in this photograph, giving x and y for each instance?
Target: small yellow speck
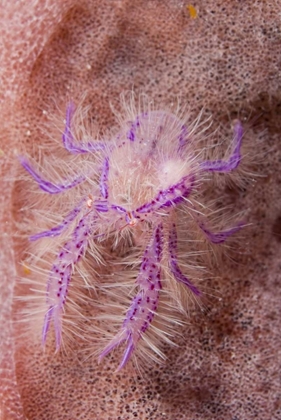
(1, 153)
(26, 269)
(192, 11)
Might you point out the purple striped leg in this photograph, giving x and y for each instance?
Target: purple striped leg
(144, 305)
(69, 142)
(169, 197)
(47, 186)
(173, 262)
(235, 158)
(104, 178)
(57, 230)
(61, 272)
(220, 237)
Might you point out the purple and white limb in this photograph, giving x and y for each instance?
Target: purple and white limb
(220, 237)
(144, 305)
(57, 230)
(69, 142)
(234, 159)
(47, 186)
(169, 197)
(173, 262)
(104, 178)
(61, 272)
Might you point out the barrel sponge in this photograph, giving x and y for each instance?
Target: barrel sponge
(225, 59)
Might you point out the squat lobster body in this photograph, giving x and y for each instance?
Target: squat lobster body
(148, 171)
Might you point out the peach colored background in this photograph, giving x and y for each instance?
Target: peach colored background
(227, 365)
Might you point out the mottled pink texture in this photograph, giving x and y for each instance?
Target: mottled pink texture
(227, 365)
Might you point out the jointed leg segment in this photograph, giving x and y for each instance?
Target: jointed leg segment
(235, 158)
(69, 142)
(173, 262)
(61, 272)
(57, 230)
(48, 186)
(144, 305)
(220, 237)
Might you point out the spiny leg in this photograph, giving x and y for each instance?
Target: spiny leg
(235, 158)
(220, 237)
(57, 230)
(144, 305)
(69, 142)
(104, 178)
(173, 195)
(47, 186)
(173, 262)
(61, 272)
